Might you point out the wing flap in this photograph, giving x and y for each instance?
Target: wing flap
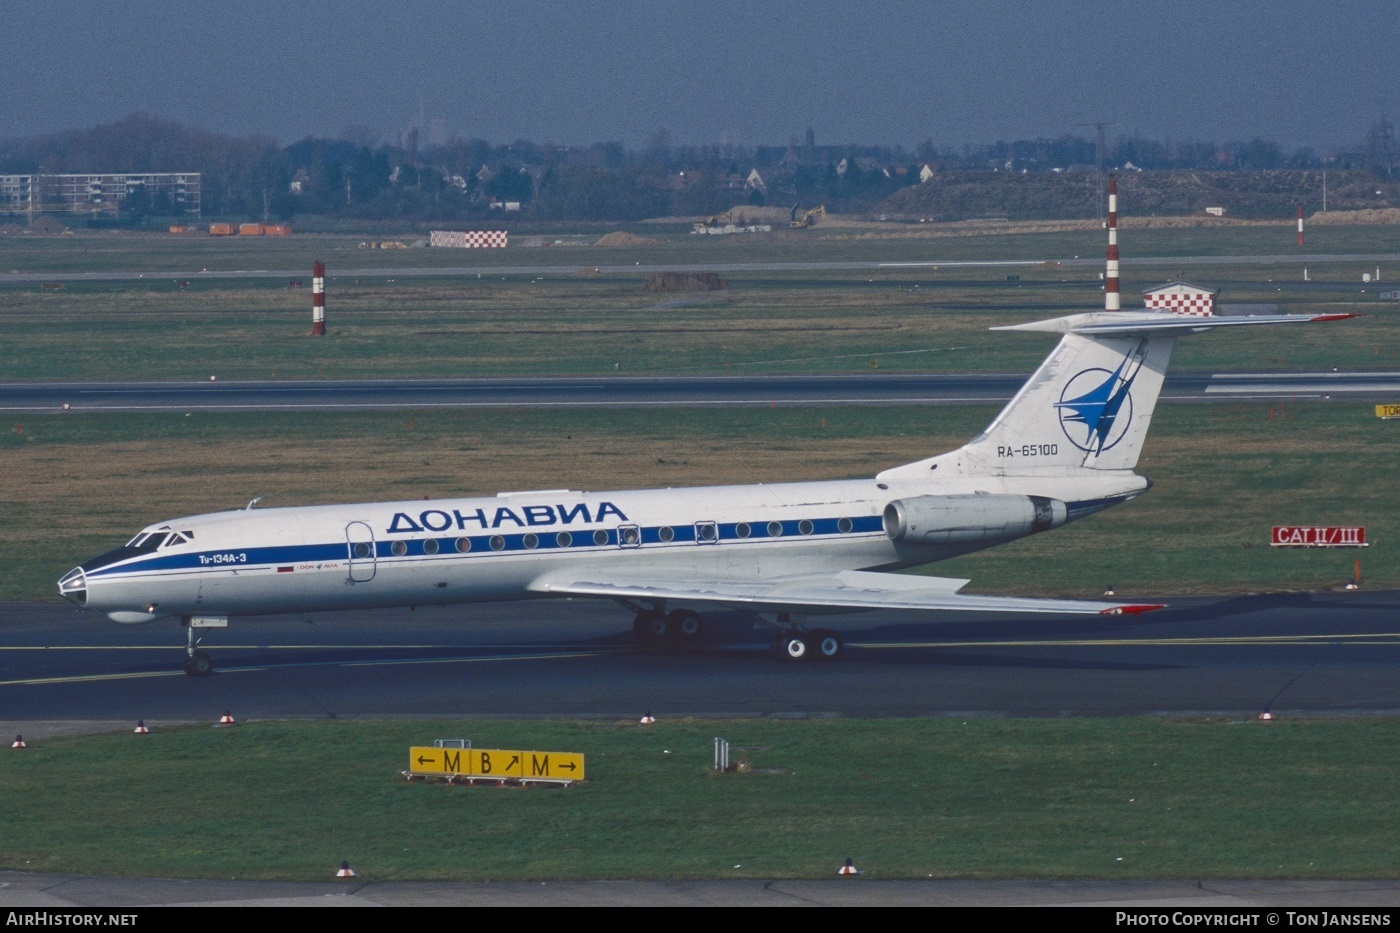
(846, 590)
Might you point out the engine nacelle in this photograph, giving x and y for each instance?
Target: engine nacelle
(971, 519)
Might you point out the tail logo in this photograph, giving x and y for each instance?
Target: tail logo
(1096, 408)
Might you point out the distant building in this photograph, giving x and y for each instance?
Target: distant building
(175, 192)
(1181, 298)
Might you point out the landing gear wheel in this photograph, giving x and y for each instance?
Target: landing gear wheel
(199, 664)
(826, 645)
(685, 624)
(651, 626)
(791, 648)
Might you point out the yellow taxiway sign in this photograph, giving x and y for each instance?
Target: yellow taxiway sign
(495, 764)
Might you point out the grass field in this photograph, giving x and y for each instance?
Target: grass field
(456, 328)
(904, 798)
(81, 483)
(1087, 798)
(899, 242)
(1224, 475)
(464, 324)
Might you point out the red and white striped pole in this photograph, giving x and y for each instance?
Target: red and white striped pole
(1110, 279)
(1300, 225)
(318, 299)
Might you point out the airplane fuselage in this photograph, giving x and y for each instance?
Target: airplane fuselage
(420, 552)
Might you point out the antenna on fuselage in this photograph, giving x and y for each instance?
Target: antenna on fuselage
(253, 502)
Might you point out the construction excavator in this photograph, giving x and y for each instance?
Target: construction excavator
(718, 220)
(808, 218)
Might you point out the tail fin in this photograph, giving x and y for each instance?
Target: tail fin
(1090, 403)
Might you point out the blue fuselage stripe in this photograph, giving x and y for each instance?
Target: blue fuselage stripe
(482, 545)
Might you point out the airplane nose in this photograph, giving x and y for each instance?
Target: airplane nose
(73, 587)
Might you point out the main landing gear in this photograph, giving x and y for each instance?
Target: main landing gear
(797, 645)
(199, 663)
(654, 626)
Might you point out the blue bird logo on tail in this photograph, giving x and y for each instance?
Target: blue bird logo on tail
(1096, 408)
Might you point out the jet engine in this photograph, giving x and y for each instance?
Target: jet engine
(971, 519)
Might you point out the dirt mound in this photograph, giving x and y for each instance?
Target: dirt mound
(745, 215)
(970, 195)
(623, 238)
(46, 225)
(685, 282)
(1386, 215)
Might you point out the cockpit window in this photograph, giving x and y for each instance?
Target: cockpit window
(146, 543)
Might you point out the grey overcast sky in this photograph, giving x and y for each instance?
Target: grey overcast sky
(574, 71)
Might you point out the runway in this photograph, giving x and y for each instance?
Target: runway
(723, 268)
(1295, 654)
(648, 392)
(1298, 655)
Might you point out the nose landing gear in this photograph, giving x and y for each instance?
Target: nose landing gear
(199, 663)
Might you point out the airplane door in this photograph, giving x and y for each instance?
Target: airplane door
(359, 545)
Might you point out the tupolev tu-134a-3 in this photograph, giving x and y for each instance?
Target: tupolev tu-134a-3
(1063, 448)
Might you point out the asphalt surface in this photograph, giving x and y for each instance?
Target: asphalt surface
(57, 893)
(1295, 655)
(728, 268)
(648, 392)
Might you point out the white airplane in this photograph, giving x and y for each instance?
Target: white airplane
(1064, 447)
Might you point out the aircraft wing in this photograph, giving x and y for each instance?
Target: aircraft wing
(846, 590)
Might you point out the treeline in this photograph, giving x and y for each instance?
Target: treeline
(357, 177)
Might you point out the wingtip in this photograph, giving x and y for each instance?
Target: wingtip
(1136, 609)
(1334, 317)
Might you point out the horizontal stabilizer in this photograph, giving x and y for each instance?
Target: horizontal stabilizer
(1147, 323)
(848, 589)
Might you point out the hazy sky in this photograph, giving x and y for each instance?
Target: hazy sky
(574, 71)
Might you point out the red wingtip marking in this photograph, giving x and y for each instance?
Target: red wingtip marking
(1132, 610)
(1335, 317)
